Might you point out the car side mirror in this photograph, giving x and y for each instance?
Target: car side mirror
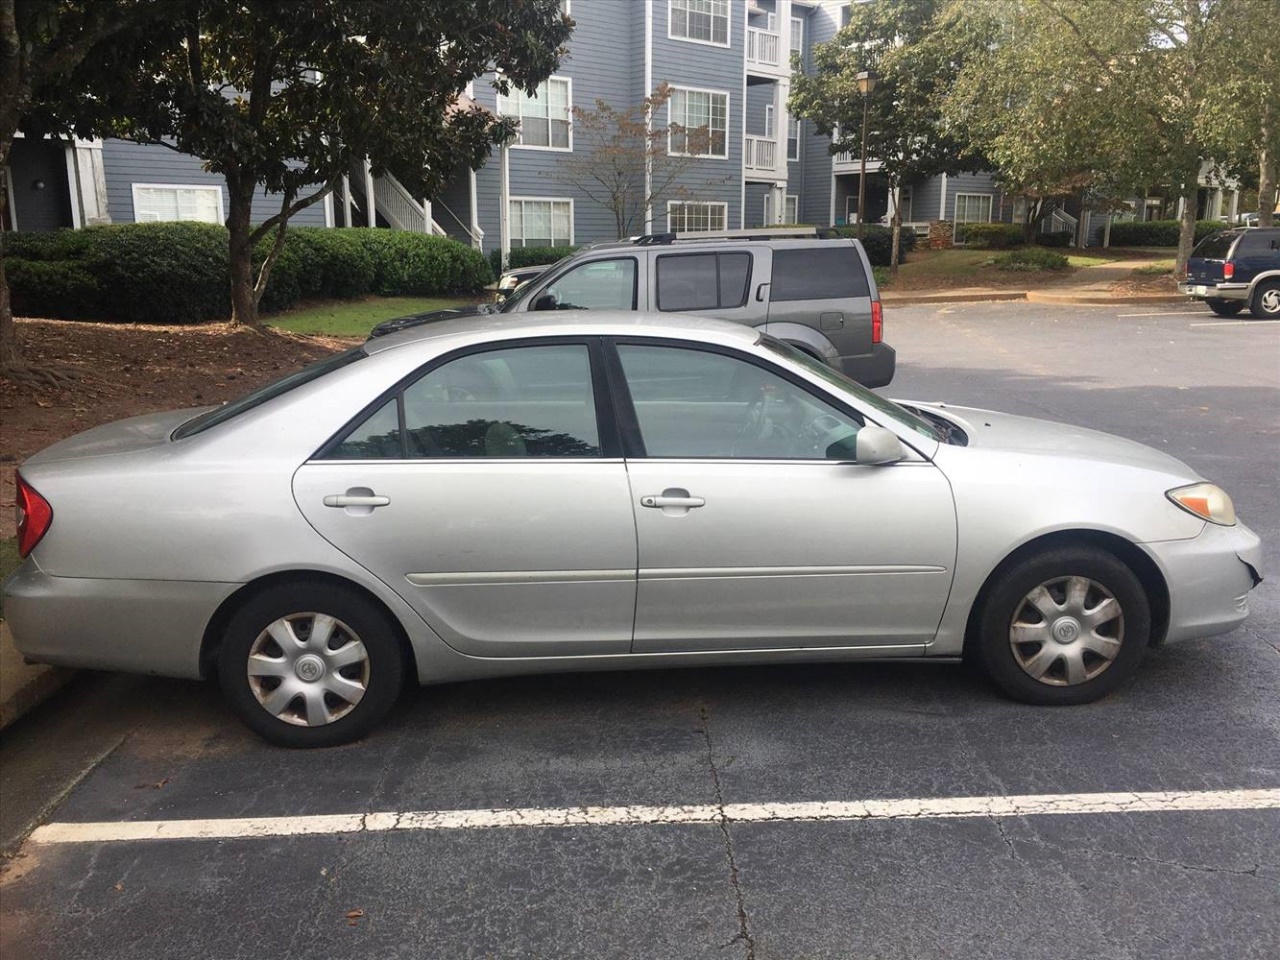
(878, 445)
(546, 302)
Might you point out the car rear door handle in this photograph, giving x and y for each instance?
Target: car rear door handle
(348, 500)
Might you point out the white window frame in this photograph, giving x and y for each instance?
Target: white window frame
(728, 106)
(514, 98)
(797, 33)
(990, 198)
(203, 187)
(568, 200)
(770, 126)
(794, 121)
(724, 212)
(728, 23)
(788, 200)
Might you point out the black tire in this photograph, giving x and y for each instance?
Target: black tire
(1008, 608)
(378, 667)
(1265, 302)
(1225, 308)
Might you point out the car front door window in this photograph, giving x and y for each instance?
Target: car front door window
(598, 285)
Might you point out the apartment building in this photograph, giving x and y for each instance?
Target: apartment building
(729, 64)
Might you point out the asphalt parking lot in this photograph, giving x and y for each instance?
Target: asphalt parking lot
(643, 815)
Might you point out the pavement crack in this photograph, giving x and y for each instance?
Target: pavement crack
(1008, 840)
(743, 935)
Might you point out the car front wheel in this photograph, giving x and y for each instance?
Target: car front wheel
(1063, 627)
(305, 665)
(1225, 308)
(1265, 304)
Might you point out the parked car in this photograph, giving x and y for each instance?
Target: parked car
(509, 495)
(511, 279)
(815, 292)
(1232, 269)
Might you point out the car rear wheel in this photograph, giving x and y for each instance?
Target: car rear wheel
(1225, 308)
(1065, 626)
(1265, 304)
(305, 665)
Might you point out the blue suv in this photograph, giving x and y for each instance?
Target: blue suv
(1235, 269)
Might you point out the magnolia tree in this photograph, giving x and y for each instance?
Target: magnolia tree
(628, 162)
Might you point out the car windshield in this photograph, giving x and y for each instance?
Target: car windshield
(522, 291)
(211, 418)
(838, 379)
(1215, 247)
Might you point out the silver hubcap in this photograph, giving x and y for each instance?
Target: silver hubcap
(1066, 631)
(1271, 300)
(308, 669)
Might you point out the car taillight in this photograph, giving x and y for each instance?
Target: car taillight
(877, 322)
(34, 516)
(1228, 270)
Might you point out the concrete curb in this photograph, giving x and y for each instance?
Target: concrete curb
(908, 299)
(23, 685)
(1102, 297)
(1084, 298)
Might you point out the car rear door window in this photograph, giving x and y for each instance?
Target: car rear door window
(534, 401)
(702, 281)
(831, 272)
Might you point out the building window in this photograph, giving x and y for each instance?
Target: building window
(797, 36)
(537, 222)
(793, 138)
(700, 123)
(973, 208)
(544, 116)
(166, 201)
(702, 21)
(768, 122)
(696, 217)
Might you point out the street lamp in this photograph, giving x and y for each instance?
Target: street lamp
(866, 83)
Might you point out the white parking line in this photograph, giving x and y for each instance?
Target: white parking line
(1175, 313)
(911, 809)
(1232, 323)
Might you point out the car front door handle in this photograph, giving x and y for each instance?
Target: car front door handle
(665, 500)
(347, 500)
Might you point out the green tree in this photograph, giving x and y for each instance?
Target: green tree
(1071, 94)
(620, 159)
(287, 96)
(43, 42)
(906, 131)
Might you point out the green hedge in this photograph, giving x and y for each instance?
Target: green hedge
(1158, 233)
(991, 236)
(1030, 258)
(878, 242)
(528, 257)
(179, 272)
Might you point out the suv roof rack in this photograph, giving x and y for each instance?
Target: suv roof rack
(754, 233)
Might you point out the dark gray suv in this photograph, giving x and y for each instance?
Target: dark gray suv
(814, 292)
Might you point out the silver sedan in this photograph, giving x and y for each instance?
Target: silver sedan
(490, 496)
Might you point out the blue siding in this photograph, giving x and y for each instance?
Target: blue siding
(127, 163)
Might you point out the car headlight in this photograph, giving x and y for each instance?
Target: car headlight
(1208, 501)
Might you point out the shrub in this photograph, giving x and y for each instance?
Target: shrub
(528, 257)
(49, 288)
(1030, 258)
(993, 236)
(878, 242)
(1055, 238)
(1158, 233)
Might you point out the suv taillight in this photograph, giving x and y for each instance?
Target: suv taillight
(877, 322)
(1228, 270)
(34, 516)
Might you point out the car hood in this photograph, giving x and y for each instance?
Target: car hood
(431, 316)
(1008, 433)
(122, 436)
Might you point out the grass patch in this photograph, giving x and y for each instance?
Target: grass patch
(1159, 268)
(355, 318)
(9, 562)
(944, 263)
(1090, 259)
(882, 276)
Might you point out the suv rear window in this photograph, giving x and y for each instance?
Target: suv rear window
(833, 272)
(1215, 247)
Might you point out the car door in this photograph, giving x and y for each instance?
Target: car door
(730, 284)
(755, 529)
(489, 492)
(823, 287)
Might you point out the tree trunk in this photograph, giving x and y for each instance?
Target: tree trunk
(1187, 233)
(244, 302)
(1266, 186)
(897, 239)
(10, 357)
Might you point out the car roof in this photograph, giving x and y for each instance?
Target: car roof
(599, 323)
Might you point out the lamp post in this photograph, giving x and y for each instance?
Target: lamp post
(866, 83)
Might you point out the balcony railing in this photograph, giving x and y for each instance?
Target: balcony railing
(763, 47)
(760, 154)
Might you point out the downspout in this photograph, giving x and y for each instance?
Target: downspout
(648, 122)
(504, 214)
(477, 235)
(942, 209)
